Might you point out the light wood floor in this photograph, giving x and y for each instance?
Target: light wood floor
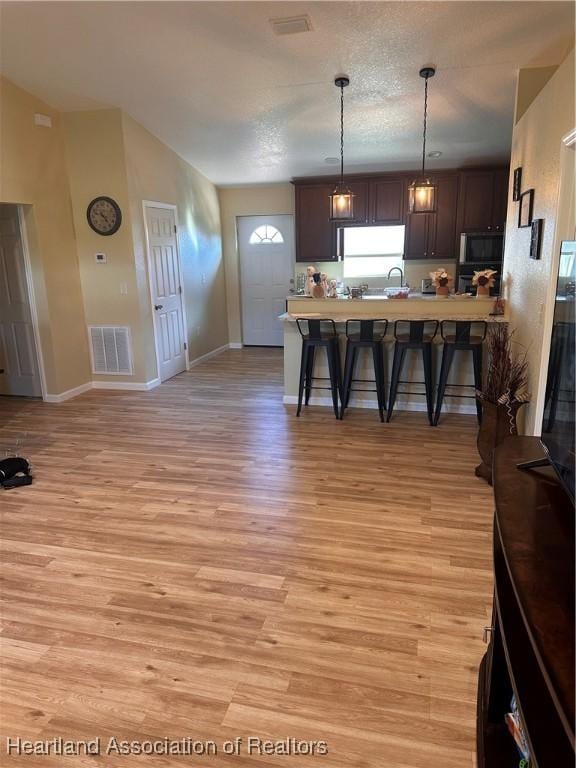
(195, 561)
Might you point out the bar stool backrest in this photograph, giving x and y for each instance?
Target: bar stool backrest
(415, 331)
(366, 330)
(316, 329)
(463, 331)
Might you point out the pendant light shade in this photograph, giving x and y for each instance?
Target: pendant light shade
(341, 199)
(422, 193)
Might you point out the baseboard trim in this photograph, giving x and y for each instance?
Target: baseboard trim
(236, 345)
(128, 386)
(372, 404)
(68, 394)
(208, 355)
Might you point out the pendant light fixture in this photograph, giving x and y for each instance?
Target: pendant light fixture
(341, 199)
(422, 193)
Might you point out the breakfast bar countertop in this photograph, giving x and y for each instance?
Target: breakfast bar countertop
(415, 307)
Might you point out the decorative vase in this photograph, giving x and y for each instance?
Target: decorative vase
(442, 290)
(482, 291)
(498, 421)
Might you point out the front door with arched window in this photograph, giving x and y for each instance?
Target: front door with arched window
(266, 249)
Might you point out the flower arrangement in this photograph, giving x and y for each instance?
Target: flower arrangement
(441, 280)
(484, 279)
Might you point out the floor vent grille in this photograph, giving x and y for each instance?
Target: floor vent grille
(111, 349)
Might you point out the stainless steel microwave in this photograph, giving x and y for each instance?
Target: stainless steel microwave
(481, 247)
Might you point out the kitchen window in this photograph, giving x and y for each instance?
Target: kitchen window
(372, 251)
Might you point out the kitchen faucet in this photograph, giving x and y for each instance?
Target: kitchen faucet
(401, 275)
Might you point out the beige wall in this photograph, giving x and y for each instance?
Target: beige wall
(33, 172)
(246, 201)
(97, 166)
(529, 285)
(156, 173)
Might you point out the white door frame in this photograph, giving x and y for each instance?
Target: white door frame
(253, 216)
(31, 297)
(170, 207)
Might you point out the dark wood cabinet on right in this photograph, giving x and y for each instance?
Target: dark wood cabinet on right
(433, 235)
(483, 200)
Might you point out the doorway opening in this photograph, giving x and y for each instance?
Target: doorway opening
(21, 372)
(266, 251)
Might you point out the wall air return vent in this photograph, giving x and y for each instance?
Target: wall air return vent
(111, 349)
(291, 25)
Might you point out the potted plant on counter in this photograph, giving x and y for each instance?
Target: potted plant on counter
(484, 280)
(441, 280)
(503, 394)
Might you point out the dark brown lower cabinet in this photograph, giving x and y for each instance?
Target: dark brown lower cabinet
(531, 651)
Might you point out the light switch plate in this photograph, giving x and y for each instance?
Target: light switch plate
(100, 258)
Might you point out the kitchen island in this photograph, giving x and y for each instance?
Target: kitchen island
(415, 307)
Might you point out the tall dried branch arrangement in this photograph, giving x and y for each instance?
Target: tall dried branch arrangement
(507, 376)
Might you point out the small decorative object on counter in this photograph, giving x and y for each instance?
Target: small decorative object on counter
(309, 286)
(499, 306)
(333, 289)
(503, 394)
(441, 280)
(318, 286)
(484, 280)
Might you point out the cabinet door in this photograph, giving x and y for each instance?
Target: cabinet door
(416, 242)
(315, 233)
(360, 201)
(500, 205)
(442, 234)
(476, 201)
(387, 201)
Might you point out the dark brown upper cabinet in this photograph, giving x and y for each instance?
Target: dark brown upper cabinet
(469, 200)
(315, 233)
(387, 201)
(483, 200)
(360, 202)
(433, 235)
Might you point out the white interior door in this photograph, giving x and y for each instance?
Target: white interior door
(266, 248)
(166, 290)
(18, 354)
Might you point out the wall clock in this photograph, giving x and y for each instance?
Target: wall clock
(104, 215)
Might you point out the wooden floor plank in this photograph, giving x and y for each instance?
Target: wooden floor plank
(195, 561)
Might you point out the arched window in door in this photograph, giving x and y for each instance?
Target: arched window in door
(266, 233)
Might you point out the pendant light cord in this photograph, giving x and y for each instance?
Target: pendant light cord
(424, 132)
(342, 135)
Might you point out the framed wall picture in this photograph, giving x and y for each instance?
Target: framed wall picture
(517, 184)
(536, 238)
(525, 209)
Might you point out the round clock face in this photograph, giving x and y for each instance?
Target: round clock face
(104, 215)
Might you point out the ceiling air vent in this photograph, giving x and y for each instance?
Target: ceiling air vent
(111, 349)
(292, 25)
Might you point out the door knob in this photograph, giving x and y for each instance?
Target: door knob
(158, 306)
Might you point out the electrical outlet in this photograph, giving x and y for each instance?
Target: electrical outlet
(124, 289)
(100, 258)
(203, 278)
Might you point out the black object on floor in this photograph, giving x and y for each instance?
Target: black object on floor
(466, 335)
(14, 472)
(419, 335)
(319, 333)
(364, 334)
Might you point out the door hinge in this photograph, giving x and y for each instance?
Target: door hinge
(185, 345)
(175, 230)
(179, 289)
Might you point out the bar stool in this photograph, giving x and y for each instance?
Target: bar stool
(364, 334)
(413, 334)
(319, 333)
(466, 335)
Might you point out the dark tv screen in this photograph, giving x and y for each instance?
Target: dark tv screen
(558, 423)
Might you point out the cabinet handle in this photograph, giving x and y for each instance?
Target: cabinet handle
(488, 227)
(487, 633)
(425, 253)
(433, 254)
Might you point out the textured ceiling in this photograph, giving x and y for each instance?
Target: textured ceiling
(246, 106)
